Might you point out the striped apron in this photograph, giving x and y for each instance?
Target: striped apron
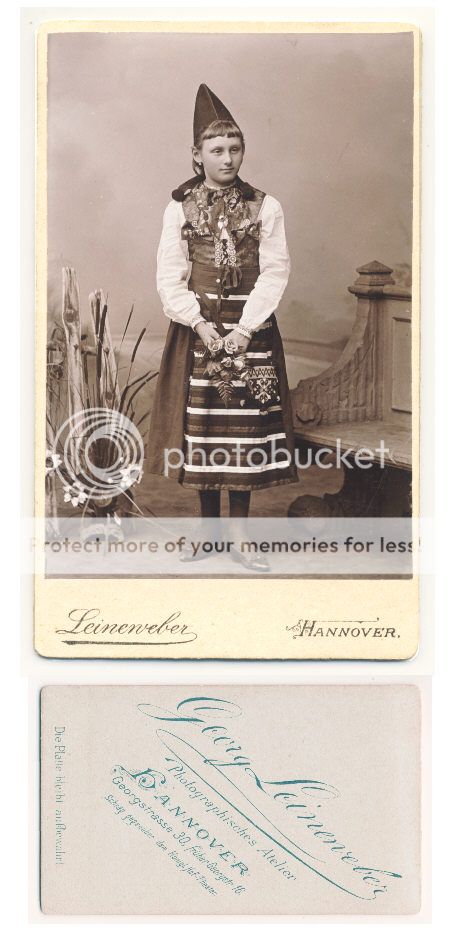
(231, 445)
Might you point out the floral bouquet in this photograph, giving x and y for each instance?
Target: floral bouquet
(225, 364)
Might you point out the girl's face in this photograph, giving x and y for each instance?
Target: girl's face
(221, 158)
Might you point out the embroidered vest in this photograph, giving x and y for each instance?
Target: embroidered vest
(222, 227)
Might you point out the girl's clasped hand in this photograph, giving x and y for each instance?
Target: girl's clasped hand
(208, 334)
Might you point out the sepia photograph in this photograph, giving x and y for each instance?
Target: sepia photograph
(228, 277)
(233, 246)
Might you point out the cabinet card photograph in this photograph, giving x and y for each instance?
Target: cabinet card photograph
(227, 340)
(237, 800)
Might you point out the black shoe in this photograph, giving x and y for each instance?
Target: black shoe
(256, 562)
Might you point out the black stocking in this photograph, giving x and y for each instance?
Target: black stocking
(239, 503)
(239, 509)
(210, 503)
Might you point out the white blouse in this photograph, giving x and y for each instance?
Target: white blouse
(173, 268)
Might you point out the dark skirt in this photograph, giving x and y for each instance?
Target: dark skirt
(238, 443)
(225, 446)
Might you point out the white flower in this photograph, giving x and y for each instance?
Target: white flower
(130, 476)
(52, 461)
(215, 347)
(239, 363)
(75, 494)
(230, 346)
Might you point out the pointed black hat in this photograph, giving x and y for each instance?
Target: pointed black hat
(208, 108)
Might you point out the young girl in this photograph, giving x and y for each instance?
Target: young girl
(222, 268)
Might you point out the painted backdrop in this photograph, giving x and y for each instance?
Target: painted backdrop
(328, 127)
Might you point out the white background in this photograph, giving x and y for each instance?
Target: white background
(18, 778)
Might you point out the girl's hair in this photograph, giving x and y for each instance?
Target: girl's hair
(218, 128)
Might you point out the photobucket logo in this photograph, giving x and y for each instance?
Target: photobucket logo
(243, 457)
(97, 453)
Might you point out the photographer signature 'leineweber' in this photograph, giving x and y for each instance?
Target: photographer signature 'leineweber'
(199, 740)
(89, 628)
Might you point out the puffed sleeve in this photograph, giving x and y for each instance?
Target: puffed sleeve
(274, 265)
(172, 273)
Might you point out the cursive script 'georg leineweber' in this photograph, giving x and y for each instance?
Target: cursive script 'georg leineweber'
(196, 735)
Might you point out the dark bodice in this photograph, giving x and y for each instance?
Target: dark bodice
(222, 227)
